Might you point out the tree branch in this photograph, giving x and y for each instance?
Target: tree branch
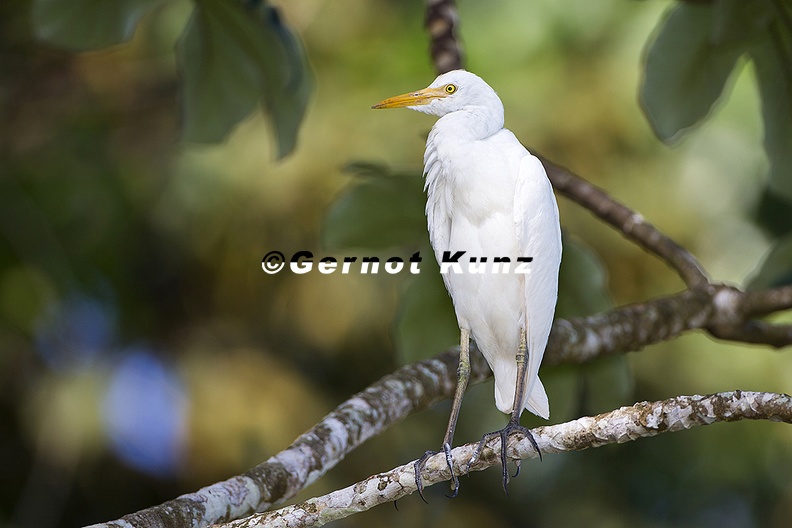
(631, 224)
(759, 303)
(418, 386)
(364, 415)
(756, 333)
(441, 22)
(626, 424)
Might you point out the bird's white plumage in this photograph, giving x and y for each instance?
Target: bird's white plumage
(490, 197)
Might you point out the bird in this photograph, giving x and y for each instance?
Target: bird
(489, 197)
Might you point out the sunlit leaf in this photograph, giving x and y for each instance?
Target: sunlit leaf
(776, 268)
(686, 71)
(774, 77)
(232, 57)
(377, 212)
(87, 24)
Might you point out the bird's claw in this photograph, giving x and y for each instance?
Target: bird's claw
(421, 462)
(504, 434)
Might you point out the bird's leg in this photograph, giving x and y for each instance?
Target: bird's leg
(514, 422)
(463, 375)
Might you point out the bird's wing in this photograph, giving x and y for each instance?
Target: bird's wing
(438, 210)
(539, 237)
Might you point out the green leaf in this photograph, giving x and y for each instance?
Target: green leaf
(774, 76)
(776, 268)
(582, 281)
(737, 22)
(686, 70)
(81, 25)
(231, 58)
(382, 210)
(288, 86)
(426, 322)
(221, 82)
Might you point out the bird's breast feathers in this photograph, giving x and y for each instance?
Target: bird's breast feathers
(479, 175)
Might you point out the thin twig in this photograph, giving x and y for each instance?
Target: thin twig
(758, 303)
(756, 333)
(626, 424)
(631, 224)
(441, 22)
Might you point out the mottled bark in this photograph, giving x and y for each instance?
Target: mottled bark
(641, 420)
(420, 385)
(364, 415)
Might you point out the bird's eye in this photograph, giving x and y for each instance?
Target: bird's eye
(450, 88)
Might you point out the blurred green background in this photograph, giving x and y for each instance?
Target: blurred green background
(145, 354)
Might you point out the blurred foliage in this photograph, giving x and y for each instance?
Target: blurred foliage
(775, 270)
(694, 55)
(231, 61)
(232, 55)
(383, 210)
(144, 354)
(66, 24)
(688, 64)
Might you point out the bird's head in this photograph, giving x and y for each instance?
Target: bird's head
(450, 92)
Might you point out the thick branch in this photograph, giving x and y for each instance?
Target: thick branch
(628, 328)
(641, 420)
(418, 386)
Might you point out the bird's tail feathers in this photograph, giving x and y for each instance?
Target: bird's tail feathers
(505, 381)
(537, 401)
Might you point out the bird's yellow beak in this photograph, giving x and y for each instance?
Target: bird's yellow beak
(421, 97)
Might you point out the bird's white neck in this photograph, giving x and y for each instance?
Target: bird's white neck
(472, 122)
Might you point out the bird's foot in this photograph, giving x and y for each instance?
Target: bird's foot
(421, 462)
(511, 428)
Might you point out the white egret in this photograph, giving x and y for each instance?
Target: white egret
(489, 197)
